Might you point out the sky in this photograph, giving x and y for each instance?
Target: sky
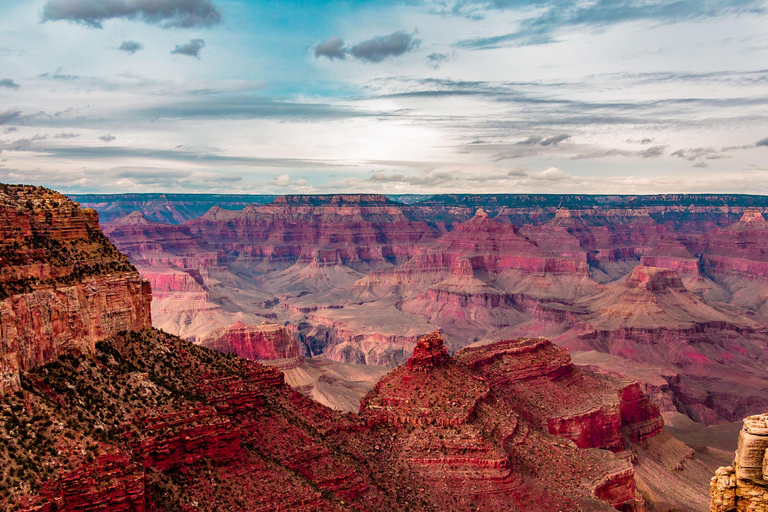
(396, 97)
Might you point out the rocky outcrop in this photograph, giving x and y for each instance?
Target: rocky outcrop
(535, 368)
(430, 352)
(671, 253)
(111, 482)
(63, 286)
(743, 487)
(266, 342)
(488, 406)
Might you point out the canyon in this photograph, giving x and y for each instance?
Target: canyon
(392, 312)
(667, 289)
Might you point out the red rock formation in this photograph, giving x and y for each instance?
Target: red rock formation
(739, 250)
(266, 342)
(168, 282)
(63, 286)
(671, 253)
(182, 437)
(592, 414)
(112, 482)
(504, 391)
(363, 231)
(149, 243)
(651, 317)
(430, 351)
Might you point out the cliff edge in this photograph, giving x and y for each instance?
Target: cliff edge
(63, 285)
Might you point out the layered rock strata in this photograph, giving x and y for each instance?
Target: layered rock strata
(488, 425)
(362, 231)
(63, 286)
(267, 342)
(743, 487)
(652, 318)
(149, 243)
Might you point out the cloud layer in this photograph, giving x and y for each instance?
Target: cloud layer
(332, 48)
(554, 16)
(619, 96)
(166, 13)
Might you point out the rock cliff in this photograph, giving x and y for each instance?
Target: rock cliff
(362, 231)
(479, 422)
(63, 286)
(266, 342)
(743, 487)
(149, 243)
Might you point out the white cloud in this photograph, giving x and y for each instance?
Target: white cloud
(551, 174)
(281, 181)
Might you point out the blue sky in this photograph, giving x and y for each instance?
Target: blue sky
(582, 96)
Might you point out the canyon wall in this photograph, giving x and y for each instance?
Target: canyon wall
(63, 285)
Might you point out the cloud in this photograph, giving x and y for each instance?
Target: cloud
(551, 174)
(652, 152)
(108, 137)
(9, 84)
(281, 181)
(426, 179)
(238, 106)
(332, 48)
(191, 49)
(699, 153)
(555, 140)
(762, 142)
(541, 141)
(381, 47)
(284, 180)
(19, 145)
(373, 50)
(70, 135)
(556, 15)
(130, 46)
(436, 59)
(166, 13)
(9, 115)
